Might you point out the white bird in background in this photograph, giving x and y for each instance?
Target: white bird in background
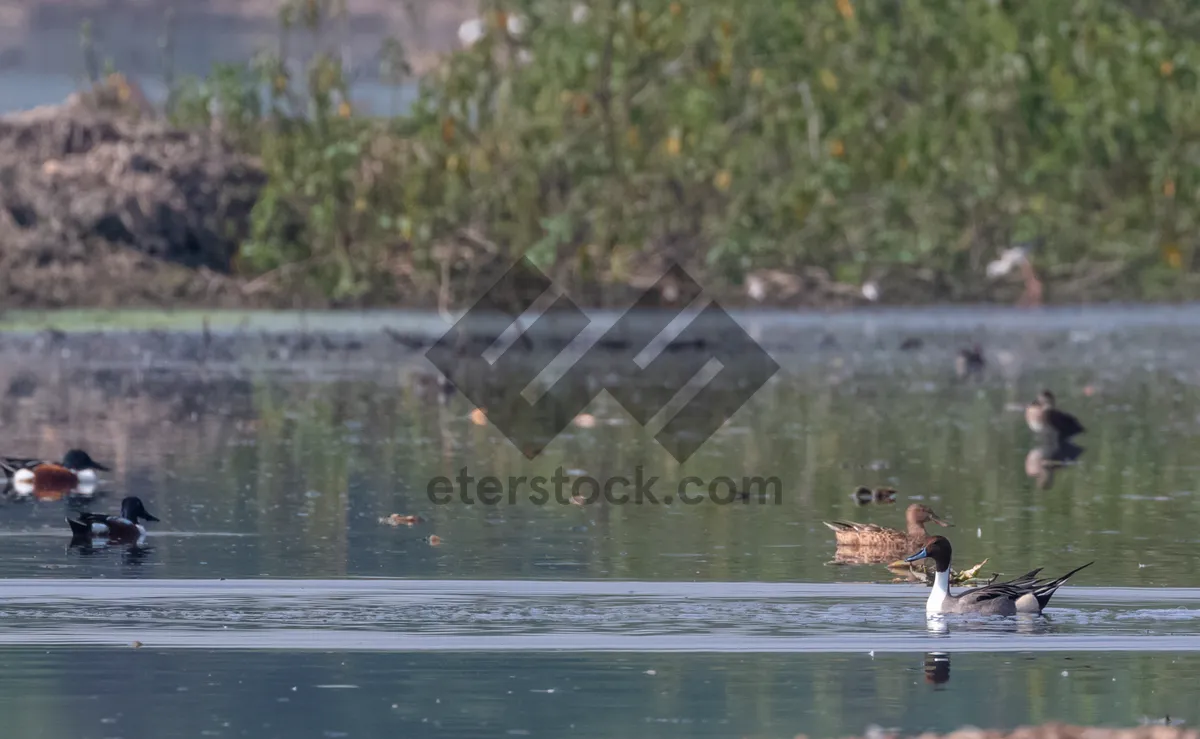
(1018, 256)
(471, 32)
(1009, 258)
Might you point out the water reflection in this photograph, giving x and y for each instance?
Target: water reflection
(937, 668)
(1049, 456)
(54, 490)
(130, 553)
(1022, 623)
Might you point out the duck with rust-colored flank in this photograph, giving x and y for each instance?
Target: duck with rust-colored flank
(1026, 594)
(123, 527)
(76, 467)
(874, 536)
(1042, 417)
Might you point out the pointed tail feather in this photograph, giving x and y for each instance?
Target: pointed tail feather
(1030, 576)
(79, 529)
(1046, 590)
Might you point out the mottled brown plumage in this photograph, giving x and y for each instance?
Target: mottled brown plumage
(850, 534)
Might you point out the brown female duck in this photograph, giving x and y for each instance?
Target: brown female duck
(872, 535)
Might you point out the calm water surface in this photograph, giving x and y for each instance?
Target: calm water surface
(271, 601)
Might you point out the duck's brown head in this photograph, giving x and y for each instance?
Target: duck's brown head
(918, 515)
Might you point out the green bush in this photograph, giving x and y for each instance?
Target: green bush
(859, 136)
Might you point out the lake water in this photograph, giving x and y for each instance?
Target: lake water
(270, 601)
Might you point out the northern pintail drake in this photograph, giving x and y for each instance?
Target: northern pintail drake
(873, 535)
(1041, 415)
(1025, 594)
(76, 467)
(124, 527)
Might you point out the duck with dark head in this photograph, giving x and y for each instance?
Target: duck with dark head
(123, 527)
(76, 467)
(969, 363)
(1043, 417)
(1026, 594)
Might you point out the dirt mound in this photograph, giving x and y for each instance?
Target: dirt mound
(103, 205)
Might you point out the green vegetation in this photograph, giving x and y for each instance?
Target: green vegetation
(908, 139)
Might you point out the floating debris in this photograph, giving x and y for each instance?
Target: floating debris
(397, 519)
(915, 573)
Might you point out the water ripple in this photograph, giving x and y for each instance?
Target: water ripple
(460, 615)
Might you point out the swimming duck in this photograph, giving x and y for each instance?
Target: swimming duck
(1025, 594)
(1042, 415)
(124, 527)
(864, 495)
(873, 535)
(969, 362)
(75, 468)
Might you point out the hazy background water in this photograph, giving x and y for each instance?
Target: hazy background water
(265, 468)
(42, 61)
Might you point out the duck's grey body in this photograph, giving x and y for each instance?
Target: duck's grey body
(1025, 594)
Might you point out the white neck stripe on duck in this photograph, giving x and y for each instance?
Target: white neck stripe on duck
(941, 589)
(938, 549)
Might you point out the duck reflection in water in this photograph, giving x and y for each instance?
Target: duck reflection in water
(1050, 455)
(132, 553)
(1023, 623)
(50, 492)
(937, 668)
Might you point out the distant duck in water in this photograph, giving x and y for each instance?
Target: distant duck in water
(75, 468)
(849, 534)
(864, 495)
(969, 363)
(1025, 594)
(1042, 417)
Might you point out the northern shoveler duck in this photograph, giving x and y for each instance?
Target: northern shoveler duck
(1025, 594)
(969, 362)
(124, 527)
(75, 468)
(876, 536)
(1041, 415)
